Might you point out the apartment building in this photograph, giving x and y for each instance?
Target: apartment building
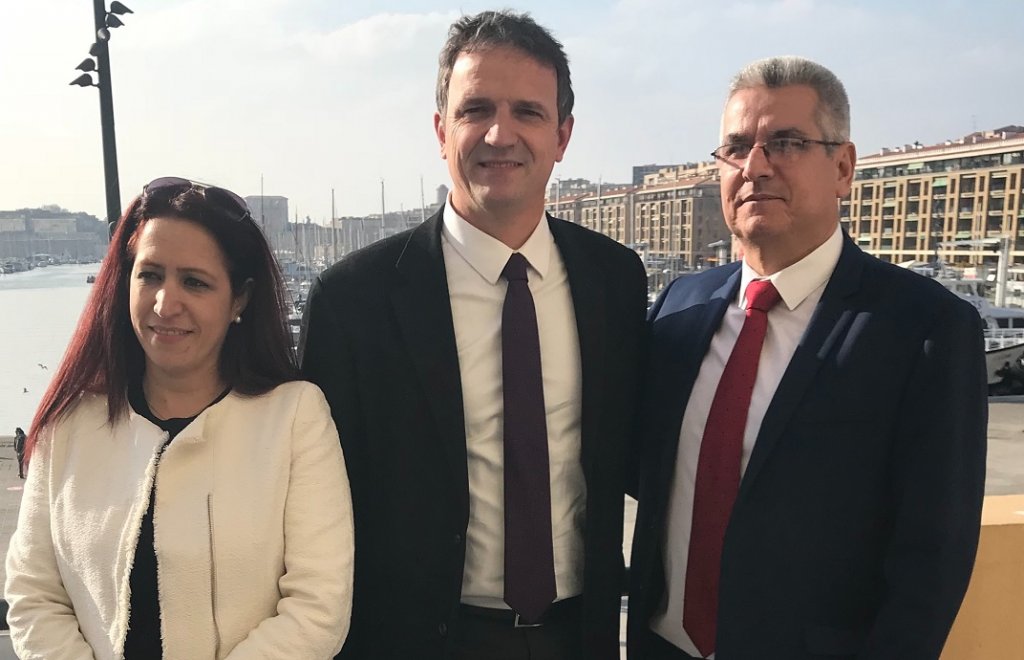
(610, 213)
(914, 203)
(670, 222)
(677, 220)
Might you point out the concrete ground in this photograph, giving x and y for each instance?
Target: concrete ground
(10, 496)
(1005, 477)
(1005, 474)
(10, 500)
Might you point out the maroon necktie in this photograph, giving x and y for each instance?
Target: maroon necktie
(529, 558)
(718, 469)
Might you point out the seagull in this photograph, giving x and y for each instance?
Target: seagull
(41, 365)
(24, 390)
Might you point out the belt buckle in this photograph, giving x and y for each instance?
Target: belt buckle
(516, 624)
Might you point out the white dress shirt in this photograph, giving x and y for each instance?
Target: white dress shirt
(800, 287)
(473, 262)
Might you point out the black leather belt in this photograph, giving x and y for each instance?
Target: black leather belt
(558, 611)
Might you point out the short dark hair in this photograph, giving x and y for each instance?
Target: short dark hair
(104, 355)
(491, 29)
(833, 113)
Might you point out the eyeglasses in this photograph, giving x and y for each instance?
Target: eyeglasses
(777, 150)
(226, 201)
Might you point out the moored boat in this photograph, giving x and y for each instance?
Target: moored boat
(1004, 328)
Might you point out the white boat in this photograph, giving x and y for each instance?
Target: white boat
(999, 361)
(295, 326)
(1004, 328)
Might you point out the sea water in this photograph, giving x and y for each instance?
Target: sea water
(38, 312)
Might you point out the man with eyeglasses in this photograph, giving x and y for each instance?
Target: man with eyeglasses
(812, 454)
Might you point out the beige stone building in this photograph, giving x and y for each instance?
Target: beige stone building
(682, 172)
(610, 213)
(677, 220)
(911, 203)
(908, 202)
(670, 220)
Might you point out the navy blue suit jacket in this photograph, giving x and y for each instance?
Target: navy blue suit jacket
(857, 521)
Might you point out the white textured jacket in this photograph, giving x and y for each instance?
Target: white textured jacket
(252, 524)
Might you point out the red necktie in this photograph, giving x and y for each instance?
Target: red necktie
(718, 469)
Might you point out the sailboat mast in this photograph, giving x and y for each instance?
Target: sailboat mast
(334, 231)
(383, 214)
(423, 202)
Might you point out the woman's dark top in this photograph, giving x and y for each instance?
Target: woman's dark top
(143, 639)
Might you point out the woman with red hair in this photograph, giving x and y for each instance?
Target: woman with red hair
(186, 494)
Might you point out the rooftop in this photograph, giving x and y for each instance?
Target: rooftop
(980, 142)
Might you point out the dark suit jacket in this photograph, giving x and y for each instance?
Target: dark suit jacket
(379, 340)
(857, 520)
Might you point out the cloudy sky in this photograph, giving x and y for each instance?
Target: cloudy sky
(312, 95)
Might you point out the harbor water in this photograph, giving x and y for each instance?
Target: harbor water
(38, 312)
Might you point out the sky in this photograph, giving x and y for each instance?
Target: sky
(313, 95)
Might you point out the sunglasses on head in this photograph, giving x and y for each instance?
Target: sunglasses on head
(228, 202)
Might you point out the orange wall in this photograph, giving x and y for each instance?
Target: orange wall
(990, 625)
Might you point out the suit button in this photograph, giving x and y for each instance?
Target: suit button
(457, 539)
(442, 629)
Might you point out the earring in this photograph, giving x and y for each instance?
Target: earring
(237, 319)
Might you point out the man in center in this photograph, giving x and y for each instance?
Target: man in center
(482, 370)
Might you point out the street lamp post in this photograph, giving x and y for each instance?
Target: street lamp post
(104, 21)
(110, 178)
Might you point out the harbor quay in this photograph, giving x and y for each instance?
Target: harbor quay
(1005, 476)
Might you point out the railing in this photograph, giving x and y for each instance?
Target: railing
(1003, 338)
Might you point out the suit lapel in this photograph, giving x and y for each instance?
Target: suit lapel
(589, 298)
(829, 322)
(423, 310)
(681, 338)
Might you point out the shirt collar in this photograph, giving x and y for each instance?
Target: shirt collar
(486, 254)
(794, 283)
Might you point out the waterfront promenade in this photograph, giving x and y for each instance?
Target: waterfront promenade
(1005, 475)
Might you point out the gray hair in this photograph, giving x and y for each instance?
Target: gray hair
(505, 28)
(833, 113)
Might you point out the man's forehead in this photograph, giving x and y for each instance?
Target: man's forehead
(502, 72)
(782, 110)
(483, 63)
(485, 54)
